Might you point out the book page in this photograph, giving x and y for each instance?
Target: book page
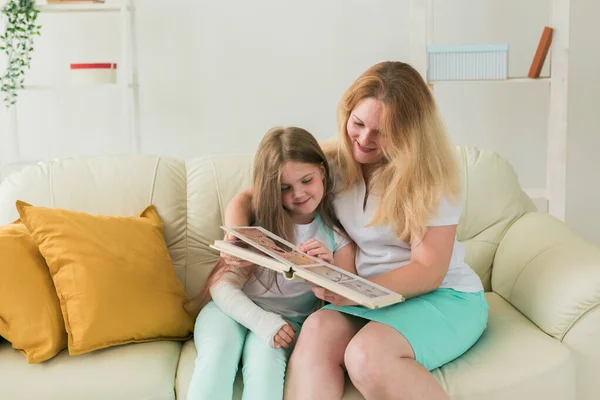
(348, 281)
(272, 245)
(240, 244)
(246, 252)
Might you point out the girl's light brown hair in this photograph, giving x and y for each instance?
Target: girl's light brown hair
(419, 166)
(278, 146)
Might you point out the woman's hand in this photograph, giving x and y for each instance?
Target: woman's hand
(313, 247)
(332, 297)
(285, 337)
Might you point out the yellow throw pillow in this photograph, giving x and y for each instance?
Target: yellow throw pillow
(113, 276)
(30, 316)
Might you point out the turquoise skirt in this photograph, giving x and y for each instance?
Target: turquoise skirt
(440, 325)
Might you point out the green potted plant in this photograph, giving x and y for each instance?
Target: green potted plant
(17, 43)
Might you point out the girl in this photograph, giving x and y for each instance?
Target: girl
(397, 199)
(255, 313)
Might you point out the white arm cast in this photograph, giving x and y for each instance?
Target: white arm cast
(228, 295)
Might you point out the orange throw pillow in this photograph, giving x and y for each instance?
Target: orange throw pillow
(30, 316)
(113, 276)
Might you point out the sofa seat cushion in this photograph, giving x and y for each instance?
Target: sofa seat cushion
(186, 368)
(513, 359)
(129, 372)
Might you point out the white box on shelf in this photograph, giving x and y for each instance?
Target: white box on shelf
(469, 62)
(93, 73)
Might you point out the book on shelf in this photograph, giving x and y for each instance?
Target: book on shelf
(541, 53)
(261, 247)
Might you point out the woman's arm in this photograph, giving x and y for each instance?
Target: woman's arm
(345, 258)
(430, 260)
(239, 209)
(238, 213)
(429, 263)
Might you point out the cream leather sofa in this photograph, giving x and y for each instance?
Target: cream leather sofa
(543, 281)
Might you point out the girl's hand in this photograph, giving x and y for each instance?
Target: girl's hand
(232, 260)
(332, 297)
(284, 337)
(313, 247)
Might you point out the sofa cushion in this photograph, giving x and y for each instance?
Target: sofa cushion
(186, 368)
(513, 360)
(113, 276)
(131, 372)
(30, 316)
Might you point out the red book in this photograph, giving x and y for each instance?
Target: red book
(541, 53)
(94, 66)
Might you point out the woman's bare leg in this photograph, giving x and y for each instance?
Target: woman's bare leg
(381, 364)
(315, 367)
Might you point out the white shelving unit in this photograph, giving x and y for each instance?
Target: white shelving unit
(127, 80)
(554, 194)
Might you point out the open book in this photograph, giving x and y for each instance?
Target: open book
(268, 250)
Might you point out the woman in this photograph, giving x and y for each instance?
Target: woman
(397, 192)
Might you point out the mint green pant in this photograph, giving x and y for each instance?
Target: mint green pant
(221, 343)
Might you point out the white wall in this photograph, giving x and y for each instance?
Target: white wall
(583, 160)
(214, 76)
(218, 75)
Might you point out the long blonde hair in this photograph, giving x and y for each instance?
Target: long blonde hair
(419, 166)
(278, 146)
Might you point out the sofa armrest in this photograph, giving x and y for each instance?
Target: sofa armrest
(552, 276)
(548, 273)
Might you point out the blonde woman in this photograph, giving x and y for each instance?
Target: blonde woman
(397, 197)
(254, 314)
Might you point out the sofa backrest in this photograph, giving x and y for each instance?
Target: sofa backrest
(114, 185)
(492, 201)
(212, 183)
(191, 197)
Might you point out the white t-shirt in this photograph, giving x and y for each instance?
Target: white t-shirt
(292, 298)
(378, 248)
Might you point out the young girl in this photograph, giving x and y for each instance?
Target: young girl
(255, 313)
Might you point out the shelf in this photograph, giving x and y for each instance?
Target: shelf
(68, 86)
(509, 80)
(76, 8)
